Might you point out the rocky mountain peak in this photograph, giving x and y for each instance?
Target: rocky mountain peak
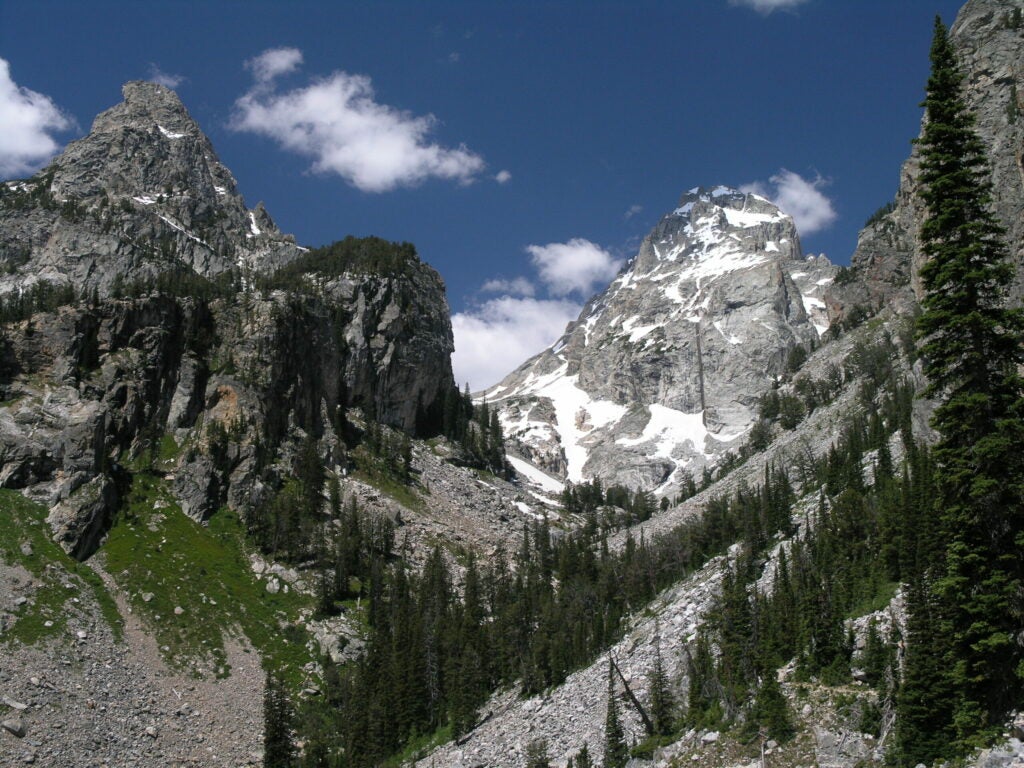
(662, 372)
(707, 223)
(723, 197)
(141, 194)
(147, 144)
(144, 105)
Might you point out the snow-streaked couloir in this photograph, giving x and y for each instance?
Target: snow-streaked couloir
(662, 372)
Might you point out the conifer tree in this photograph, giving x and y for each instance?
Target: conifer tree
(583, 758)
(616, 752)
(971, 349)
(537, 754)
(278, 717)
(662, 702)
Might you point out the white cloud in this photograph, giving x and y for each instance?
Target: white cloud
(633, 211)
(165, 79)
(518, 286)
(575, 266)
(273, 63)
(27, 119)
(767, 6)
(800, 198)
(494, 338)
(454, 57)
(503, 177)
(337, 122)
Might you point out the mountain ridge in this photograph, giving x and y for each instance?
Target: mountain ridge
(145, 402)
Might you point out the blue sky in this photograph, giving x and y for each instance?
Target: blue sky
(524, 147)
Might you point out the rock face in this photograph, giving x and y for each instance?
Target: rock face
(989, 39)
(661, 373)
(214, 380)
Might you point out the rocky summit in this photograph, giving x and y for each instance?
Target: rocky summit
(143, 192)
(661, 374)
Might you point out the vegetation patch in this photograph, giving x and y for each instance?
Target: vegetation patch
(60, 577)
(880, 600)
(387, 485)
(193, 584)
(419, 747)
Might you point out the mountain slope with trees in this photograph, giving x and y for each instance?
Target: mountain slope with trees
(843, 588)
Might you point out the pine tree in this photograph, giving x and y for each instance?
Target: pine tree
(924, 698)
(537, 754)
(278, 720)
(771, 709)
(616, 752)
(583, 758)
(971, 349)
(662, 703)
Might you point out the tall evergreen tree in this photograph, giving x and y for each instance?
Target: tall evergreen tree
(278, 717)
(662, 704)
(971, 349)
(616, 751)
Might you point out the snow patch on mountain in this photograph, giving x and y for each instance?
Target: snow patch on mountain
(170, 134)
(541, 479)
(577, 415)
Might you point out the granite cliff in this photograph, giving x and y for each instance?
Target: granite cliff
(151, 313)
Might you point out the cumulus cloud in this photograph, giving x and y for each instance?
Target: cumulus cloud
(800, 198)
(338, 123)
(573, 267)
(165, 79)
(632, 211)
(503, 177)
(274, 62)
(767, 6)
(493, 338)
(27, 119)
(518, 286)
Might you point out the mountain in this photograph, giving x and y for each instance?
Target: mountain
(227, 459)
(136, 325)
(142, 193)
(662, 373)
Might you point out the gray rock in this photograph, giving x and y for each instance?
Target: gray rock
(146, 170)
(14, 726)
(80, 521)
